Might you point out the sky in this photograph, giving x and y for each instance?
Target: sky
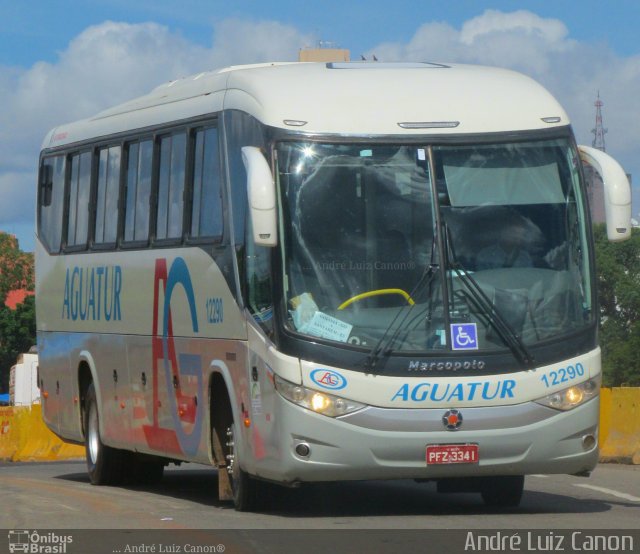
(66, 60)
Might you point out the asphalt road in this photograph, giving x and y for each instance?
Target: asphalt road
(59, 495)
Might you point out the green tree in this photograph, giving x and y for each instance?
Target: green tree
(16, 266)
(618, 274)
(17, 327)
(17, 335)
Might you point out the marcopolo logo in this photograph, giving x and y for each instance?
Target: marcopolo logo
(38, 543)
(328, 379)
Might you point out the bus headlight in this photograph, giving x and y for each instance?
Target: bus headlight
(571, 397)
(316, 401)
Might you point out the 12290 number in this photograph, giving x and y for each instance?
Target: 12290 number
(563, 375)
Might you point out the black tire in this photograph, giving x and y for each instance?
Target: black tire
(245, 489)
(503, 492)
(105, 465)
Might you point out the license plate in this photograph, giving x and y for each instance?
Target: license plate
(442, 454)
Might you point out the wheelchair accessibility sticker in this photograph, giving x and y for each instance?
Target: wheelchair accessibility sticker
(464, 336)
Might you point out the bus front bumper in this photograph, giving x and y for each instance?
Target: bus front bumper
(380, 443)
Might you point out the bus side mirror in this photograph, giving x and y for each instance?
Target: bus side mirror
(617, 192)
(261, 192)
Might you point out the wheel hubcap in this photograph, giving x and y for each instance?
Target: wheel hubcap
(93, 437)
(231, 456)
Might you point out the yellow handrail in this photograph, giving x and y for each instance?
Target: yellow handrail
(378, 292)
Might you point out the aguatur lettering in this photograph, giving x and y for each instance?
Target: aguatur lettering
(448, 392)
(92, 293)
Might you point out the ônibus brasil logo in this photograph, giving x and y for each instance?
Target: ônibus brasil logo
(328, 379)
(38, 543)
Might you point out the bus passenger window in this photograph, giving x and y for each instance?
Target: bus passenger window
(79, 191)
(107, 196)
(138, 191)
(206, 208)
(51, 202)
(171, 186)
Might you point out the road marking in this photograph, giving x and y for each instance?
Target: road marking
(539, 476)
(623, 495)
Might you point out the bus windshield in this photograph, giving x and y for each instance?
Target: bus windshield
(435, 243)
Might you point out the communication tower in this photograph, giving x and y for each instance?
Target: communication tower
(595, 187)
(599, 131)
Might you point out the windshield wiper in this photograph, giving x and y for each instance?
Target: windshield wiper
(382, 347)
(483, 304)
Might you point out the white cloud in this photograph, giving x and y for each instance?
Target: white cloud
(519, 40)
(104, 65)
(522, 22)
(541, 47)
(238, 41)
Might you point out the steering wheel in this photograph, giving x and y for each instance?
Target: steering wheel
(377, 292)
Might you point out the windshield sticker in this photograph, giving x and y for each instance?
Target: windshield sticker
(265, 314)
(303, 309)
(328, 379)
(310, 321)
(327, 327)
(464, 336)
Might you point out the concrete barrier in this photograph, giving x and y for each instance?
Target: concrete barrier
(605, 417)
(620, 425)
(8, 434)
(25, 438)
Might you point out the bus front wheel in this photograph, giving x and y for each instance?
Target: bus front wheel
(105, 465)
(245, 489)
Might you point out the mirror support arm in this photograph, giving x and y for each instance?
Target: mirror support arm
(261, 193)
(617, 192)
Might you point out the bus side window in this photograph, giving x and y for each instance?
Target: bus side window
(171, 180)
(51, 202)
(106, 230)
(79, 193)
(206, 207)
(138, 191)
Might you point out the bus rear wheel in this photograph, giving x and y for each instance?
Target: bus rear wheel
(105, 465)
(503, 492)
(245, 489)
